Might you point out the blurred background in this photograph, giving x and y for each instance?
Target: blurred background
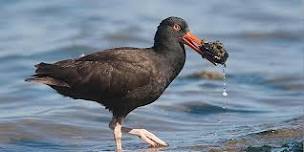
(265, 73)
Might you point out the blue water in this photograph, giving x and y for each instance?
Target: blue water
(265, 72)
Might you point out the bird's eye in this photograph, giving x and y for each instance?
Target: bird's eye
(176, 27)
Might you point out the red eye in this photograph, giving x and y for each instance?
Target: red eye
(176, 27)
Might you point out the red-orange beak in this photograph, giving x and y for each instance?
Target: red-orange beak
(193, 41)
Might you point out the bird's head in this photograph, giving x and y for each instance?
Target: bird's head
(175, 29)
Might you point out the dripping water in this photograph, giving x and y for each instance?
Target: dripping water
(224, 93)
(224, 79)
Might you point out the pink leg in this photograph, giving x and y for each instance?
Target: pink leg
(115, 125)
(146, 136)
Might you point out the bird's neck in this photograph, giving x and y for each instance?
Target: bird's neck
(172, 53)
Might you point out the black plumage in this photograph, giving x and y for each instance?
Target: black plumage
(122, 79)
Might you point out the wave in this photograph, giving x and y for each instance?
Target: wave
(203, 108)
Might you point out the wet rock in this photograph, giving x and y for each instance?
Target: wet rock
(293, 147)
(264, 148)
(290, 147)
(287, 138)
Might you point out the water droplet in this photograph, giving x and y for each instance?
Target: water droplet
(82, 55)
(224, 93)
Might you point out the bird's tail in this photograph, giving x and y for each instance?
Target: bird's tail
(47, 74)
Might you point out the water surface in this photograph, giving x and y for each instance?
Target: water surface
(265, 77)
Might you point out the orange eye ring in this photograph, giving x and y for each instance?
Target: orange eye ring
(176, 27)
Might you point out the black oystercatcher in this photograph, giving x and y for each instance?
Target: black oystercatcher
(123, 79)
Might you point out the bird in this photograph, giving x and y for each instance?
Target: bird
(123, 79)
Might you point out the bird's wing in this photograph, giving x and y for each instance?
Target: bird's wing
(112, 79)
(108, 74)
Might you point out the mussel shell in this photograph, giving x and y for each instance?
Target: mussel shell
(214, 52)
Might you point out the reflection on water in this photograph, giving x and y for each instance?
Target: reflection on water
(265, 77)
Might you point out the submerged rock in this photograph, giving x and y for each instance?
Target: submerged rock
(264, 148)
(290, 147)
(209, 75)
(287, 138)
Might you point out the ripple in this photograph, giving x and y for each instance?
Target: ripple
(202, 108)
